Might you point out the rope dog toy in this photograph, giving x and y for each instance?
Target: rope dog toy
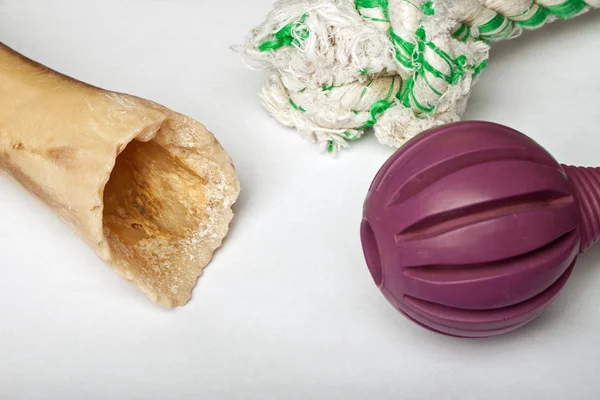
(338, 67)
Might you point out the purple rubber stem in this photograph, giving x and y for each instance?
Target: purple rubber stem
(472, 229)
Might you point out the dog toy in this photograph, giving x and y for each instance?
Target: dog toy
(338, 67)
(148, 189)
(472, 229)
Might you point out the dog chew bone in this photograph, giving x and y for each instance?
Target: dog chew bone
(150, 190)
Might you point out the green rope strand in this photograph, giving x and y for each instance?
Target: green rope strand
(568, 9)
(427, 8)
(379, 107)
(463, 33)
(367, 4)
(285, 36)
(296, 106)
(565, 10)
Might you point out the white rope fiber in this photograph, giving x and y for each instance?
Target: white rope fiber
(338, 67)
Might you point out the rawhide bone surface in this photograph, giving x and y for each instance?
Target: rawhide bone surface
(150, 190)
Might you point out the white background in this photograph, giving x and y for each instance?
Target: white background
(287, 309)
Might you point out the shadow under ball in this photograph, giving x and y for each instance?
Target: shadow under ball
(471, 229)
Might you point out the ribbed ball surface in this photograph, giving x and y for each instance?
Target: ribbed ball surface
(471, 229)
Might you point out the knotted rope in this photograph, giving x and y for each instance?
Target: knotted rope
(338, 67)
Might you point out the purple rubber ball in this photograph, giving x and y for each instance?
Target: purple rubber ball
(472, 229)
